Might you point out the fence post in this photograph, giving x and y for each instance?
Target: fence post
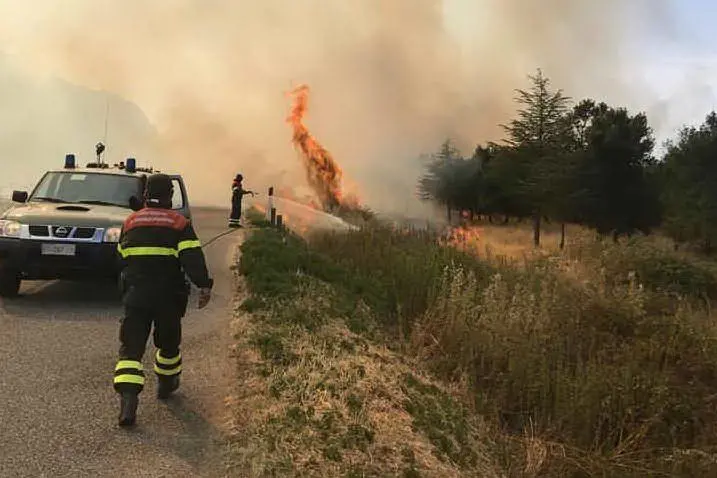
(270, 204)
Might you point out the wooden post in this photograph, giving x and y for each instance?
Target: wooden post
(279, 221)
(273, 216)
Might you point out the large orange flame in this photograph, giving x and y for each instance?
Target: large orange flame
(322, 172)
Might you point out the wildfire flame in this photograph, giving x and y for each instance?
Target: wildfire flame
(322, 172)
(464, 237)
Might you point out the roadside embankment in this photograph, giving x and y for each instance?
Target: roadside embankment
(382, 353)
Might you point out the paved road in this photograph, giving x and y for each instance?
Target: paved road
(58, 411)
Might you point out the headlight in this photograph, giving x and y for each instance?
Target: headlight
(9, 228)
(112, 234)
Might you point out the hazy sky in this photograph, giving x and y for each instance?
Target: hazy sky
(674, 58)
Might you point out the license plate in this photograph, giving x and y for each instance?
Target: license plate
(58, 249)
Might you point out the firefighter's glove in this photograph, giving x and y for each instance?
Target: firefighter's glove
(204, 296)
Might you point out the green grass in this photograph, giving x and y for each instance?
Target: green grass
(598, 362)
(279, 264)
(441, 418)
(397, 271)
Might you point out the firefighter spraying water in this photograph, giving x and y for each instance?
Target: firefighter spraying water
(238, 193)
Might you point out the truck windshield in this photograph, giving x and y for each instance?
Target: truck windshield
(87, 188)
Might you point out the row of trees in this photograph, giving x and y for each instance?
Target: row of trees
(587, 163)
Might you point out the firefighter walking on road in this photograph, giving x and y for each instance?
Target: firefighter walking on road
(157, 247)
(238, 193)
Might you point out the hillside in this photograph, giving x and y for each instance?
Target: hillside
(379, 353)
(43, 119)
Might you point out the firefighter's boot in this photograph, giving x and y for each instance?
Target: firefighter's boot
(167, 385)
(128, 409)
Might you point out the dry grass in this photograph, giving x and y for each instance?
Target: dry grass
(323, 401)
(599, 377)
(590, 349)
(597, 361)
(515, 241)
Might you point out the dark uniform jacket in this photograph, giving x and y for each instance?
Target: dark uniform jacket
(238, 192)
(157, 247)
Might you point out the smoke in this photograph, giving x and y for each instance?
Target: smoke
(388, 80)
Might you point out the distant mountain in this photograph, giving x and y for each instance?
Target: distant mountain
(43, 119)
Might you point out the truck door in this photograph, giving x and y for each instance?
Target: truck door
(180, 199)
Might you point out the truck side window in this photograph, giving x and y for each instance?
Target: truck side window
(177, 197)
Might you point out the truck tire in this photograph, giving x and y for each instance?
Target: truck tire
(9, 283)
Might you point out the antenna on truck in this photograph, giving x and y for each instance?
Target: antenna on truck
(100, 147)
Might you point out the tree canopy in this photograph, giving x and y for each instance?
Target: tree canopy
(588, 163)
(689, 184)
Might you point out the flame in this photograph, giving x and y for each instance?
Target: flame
(323, 173)
(464, 237)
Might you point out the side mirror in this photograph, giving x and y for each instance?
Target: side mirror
(19, 196)
(135, 204)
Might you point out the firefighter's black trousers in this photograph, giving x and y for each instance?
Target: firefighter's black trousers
(135, 329)
(236, 211)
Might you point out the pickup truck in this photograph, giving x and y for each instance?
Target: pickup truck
(68, 226)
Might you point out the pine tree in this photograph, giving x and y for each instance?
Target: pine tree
(538, 136)
(442, 177)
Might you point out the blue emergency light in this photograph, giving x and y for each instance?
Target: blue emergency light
(131, 165)
(69, 161)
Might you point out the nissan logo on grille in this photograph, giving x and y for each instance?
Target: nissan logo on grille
(60, 231)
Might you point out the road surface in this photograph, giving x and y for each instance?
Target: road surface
(58, 412)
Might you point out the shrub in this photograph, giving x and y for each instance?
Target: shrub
(654, 266)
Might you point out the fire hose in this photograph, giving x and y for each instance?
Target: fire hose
(219, 236)
(222, 234)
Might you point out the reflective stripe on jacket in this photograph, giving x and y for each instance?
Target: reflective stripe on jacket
(157, 247)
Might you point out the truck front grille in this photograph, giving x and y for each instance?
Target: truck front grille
(39, 231)
(84, 233)
(62, 232)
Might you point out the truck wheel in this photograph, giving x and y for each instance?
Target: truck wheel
(9, 283)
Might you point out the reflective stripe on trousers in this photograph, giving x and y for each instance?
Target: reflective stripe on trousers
(129, 376)
(167, 366)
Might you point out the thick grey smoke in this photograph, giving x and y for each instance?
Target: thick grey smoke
(388, 81)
